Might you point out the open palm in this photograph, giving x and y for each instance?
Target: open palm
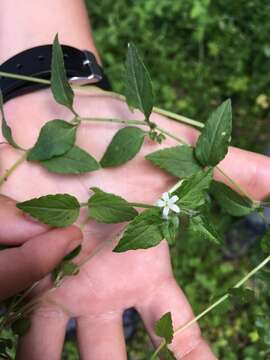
(108, 282)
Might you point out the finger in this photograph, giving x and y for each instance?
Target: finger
(16, 227)
(20, 267)
(101, 337)
(169, 298)
(250, 170)
(45, 338)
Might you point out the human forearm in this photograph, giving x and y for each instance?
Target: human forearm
(25, 24)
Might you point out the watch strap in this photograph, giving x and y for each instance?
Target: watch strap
(81, 67)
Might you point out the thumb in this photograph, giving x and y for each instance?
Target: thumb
(22, 266)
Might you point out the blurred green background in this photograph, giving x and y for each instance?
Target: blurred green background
(200, 52)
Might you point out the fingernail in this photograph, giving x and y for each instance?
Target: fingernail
(73, 246)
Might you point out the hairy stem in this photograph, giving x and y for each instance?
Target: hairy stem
(9, 171)
(215, 304)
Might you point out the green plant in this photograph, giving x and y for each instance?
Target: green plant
(185, 201)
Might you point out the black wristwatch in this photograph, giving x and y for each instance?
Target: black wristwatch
(81, 67)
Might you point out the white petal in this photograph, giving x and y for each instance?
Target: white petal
(174, 198)
(165, 212)
(165, 196)
(160, 203)
(175, 208)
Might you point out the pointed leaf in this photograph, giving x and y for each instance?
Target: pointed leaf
(56, 138)
(74, 161)
(233, 203)
(202, 227)
(109, 208)
(56, 210)
(60, 86)
(164, 327)
(139, 92)
(170, 229)
(125, 144)
(6, 130)
(178, 161)
(192, 192)
(143, 232)
(212, 145)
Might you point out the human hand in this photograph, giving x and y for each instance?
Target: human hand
(40, 251)
(109, 282)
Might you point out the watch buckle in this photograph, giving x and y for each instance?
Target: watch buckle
(94, 70)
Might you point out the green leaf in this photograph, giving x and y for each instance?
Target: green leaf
(233, 203)
(138, 89)
(166, 354)
(60, 86)
(73, 253)
(65, 268)
(178, 161)
(212, 145)
(56, 138)
(164, 327)
(192, 192)
(263, 327)
(21, 326)
(170, 229)
(265, 242)
(74, 161)
(202, 227)
(143, 232)
(125, 144)
(56, 210)
(109, 208)
(6, 130)
(241, 296)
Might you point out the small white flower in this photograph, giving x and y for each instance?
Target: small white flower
(168, 204)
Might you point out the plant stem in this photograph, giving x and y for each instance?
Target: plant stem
(23, 77)
(89, 89)
(161, 346)
(141, 205)
(172, 136)
(111, 120)
(242, 191)
(215, 304)
(9, 171)
(179, 118)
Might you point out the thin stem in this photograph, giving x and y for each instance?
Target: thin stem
(161, 346)
(9, 171)
(141, 205)
(178, 118)
(237, 186)
(112, 120)
(172, 136)
(175, 187)
(96, 91)
(216, 303)
(23, 77)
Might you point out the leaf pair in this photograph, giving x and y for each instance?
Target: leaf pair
(55, 149)
(61, 210)
(211, 148)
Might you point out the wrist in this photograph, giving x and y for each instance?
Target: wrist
(25, 34)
